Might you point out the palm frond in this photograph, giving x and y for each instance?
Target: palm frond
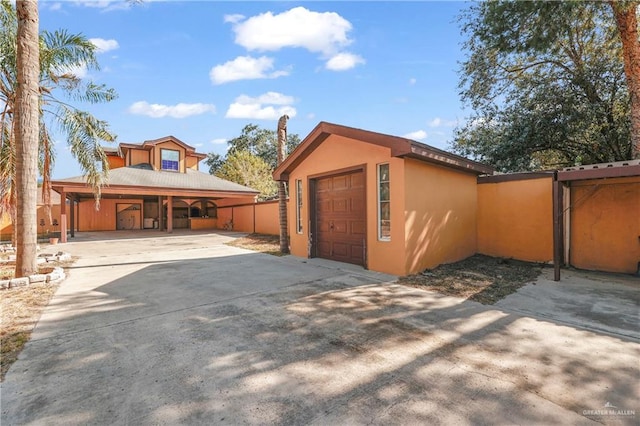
(63, 51)
(85, 134)
(45, 164)
(7, 173)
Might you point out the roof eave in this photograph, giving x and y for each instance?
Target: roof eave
(79, 187)
(443, 158)
(600, 171)
(170, 138)
(399, 147)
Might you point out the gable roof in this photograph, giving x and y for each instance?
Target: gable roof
(147, 145)
(143, 180)
(399, 146)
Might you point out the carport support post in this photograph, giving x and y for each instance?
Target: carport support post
(170, 214)
(558, 214)
(72, 215)
(160, 213)
(63, 217)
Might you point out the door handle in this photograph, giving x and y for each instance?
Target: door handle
(331, 226)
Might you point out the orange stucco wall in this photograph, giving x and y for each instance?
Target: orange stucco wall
(202, 223)
(440, 215)
(515, 219)
(337, 153)
(243, 218)
(605, 224)
(6, 226)
(234, 201)
(265, 221)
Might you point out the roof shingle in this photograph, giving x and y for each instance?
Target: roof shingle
(192, 180)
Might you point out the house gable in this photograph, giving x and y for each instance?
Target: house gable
(398, 146)
(178, 155)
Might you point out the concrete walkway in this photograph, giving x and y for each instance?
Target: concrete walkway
(185, 330)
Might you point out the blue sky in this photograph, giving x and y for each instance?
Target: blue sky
(202, 70)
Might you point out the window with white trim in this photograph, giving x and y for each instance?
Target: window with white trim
(384, 203)
(169, 160)
(298, 206)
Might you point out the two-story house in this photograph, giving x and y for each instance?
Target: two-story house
(153, 185)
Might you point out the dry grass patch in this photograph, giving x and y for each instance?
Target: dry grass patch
(480, 278)
(269, 244)
(21, 309)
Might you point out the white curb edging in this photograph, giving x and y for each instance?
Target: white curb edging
(52, 277)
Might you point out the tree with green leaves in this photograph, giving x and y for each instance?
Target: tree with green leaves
(625, 13)
(248, 169)
(60, 53)
(214, 161)
(546, 81)
(259, 143)
(262, 143)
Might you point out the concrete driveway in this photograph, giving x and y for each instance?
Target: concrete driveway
(185, 330)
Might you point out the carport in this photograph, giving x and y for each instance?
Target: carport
(146, 193)
(623, 225)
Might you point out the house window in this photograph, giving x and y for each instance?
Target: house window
(299, 206)
(169, 160)
(384, 203)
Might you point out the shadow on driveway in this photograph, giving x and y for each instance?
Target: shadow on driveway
(220, 335)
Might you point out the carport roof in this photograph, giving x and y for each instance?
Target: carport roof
(399, 146)
(140, 180)
(600, 171)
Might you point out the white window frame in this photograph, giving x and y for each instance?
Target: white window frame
(299, 206)
(162, 151)
(380, 201)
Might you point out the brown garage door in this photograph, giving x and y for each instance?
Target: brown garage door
(341, 217)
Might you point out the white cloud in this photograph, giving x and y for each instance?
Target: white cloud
(412, 81)
(273, 98)
(261, 107)
(103, 45)
(105, 5)
(344, 61)
(245, 68)
(198, 145)
(258, 112)
(311, 116)
(439, 122)
(180, 110)
(218, 141)
(80, 71)
(417, 135)
(234, 19)
(299, 27)
(94, 3)
(55, 6)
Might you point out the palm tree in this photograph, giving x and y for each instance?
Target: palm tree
(26, 135)
(60, 54)
(282, 191)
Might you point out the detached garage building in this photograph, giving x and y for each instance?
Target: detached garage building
(387, 203)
